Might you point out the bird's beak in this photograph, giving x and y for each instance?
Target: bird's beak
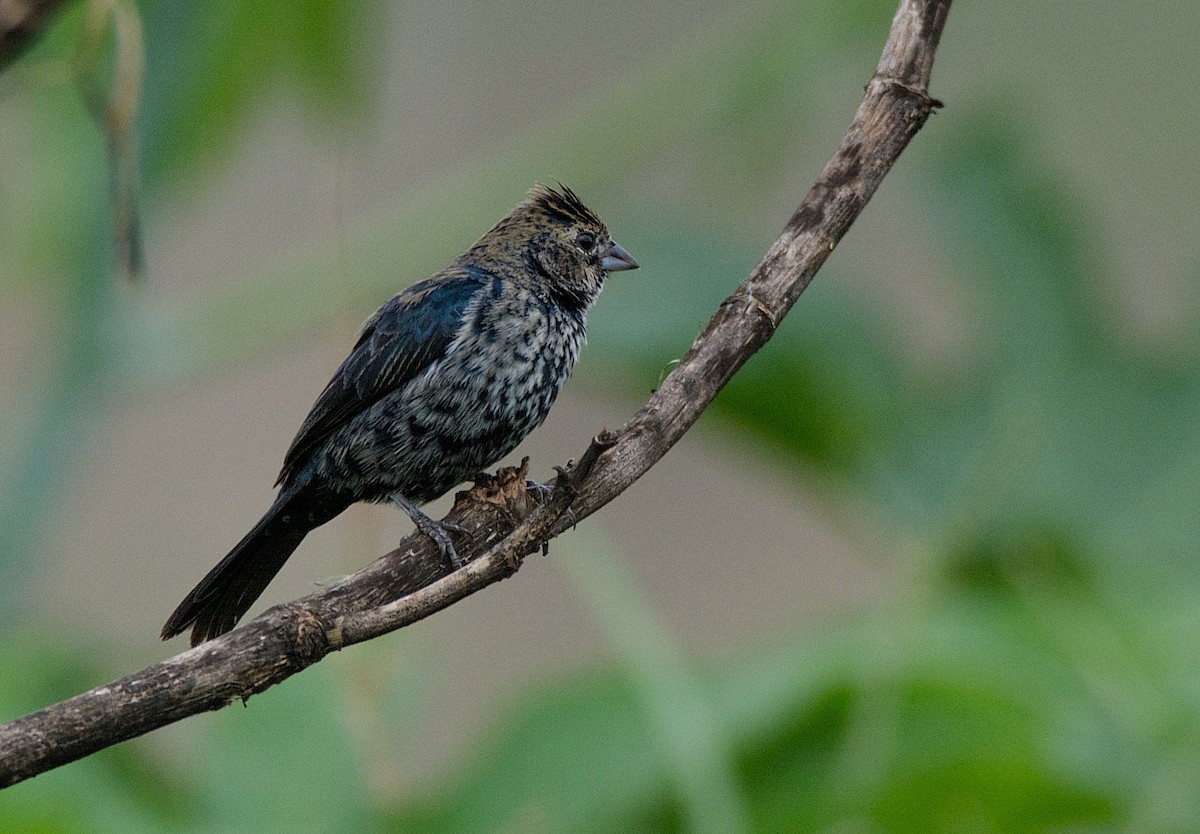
(617, 259)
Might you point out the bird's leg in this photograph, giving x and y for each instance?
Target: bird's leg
(544, 491)
(541, 494)
(436, 530)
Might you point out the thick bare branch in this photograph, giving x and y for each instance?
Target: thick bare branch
(504, 523)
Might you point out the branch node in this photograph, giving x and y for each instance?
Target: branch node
(310, 639)
(896, 85)
(753, 304)
(575, 472)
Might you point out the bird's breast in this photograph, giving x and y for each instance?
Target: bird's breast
(514, 357)
(494, 385)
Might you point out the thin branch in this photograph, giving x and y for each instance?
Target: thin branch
(111, 95)
(504, 523)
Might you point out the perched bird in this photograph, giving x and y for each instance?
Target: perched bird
(445, 379)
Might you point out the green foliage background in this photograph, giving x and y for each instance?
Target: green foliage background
(1033, 667)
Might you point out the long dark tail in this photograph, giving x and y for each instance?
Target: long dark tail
(215, 605)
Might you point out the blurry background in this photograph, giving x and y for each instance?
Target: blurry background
(928, 564)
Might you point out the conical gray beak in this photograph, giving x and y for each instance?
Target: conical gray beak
(617, 259)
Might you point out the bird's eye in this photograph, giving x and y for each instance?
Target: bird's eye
(586, 241)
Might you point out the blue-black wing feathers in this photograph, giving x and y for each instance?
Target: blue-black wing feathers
(401, 340)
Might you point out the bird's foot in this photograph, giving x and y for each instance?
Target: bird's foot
(540, 492)
(439, 531)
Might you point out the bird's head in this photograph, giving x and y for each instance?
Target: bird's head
(558, 242)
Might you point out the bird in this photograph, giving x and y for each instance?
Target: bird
(445, 379)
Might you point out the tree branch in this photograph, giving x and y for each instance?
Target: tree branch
(503, 522)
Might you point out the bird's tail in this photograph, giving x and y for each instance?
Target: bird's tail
(215, 605)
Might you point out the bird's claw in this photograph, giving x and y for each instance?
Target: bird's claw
(540, 492)
(440, 531)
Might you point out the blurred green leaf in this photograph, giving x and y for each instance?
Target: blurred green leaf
(970, 709)
(684, 721)
(1023, 238)
(48, 425)
(282, 763)
(572, 758)
(827, 389)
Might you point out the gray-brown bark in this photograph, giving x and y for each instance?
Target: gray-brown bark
(504, 524)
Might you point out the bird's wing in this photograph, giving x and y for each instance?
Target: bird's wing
(397, 343)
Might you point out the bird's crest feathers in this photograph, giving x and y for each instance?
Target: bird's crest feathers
(561, 205)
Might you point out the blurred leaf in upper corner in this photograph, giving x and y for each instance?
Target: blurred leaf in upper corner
(23, 24)
(209, 64)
